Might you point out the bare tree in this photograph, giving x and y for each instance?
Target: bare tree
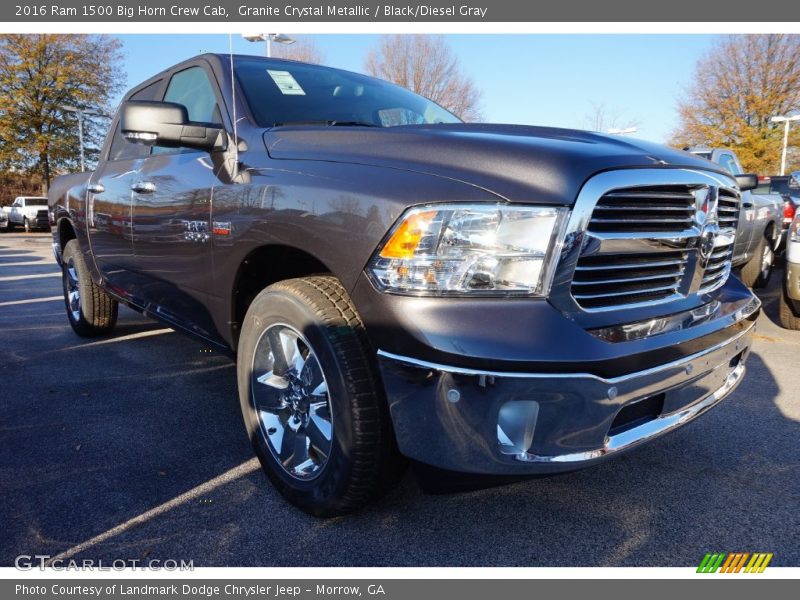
(303, 50)
(738, 86)
(425, 64)
(601, 118)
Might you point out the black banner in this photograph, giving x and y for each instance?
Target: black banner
(385, 589)
(240, 11)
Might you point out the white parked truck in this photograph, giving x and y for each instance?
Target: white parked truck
(29, 212)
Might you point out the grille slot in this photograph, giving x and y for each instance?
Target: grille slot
(728, 209)
(718, 269)
(610, 280)
(644, 209)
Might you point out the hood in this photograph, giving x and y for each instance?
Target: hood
(519, 163)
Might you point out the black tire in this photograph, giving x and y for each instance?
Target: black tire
(757, 272)
(9, 227)
(96, 312)
(788, 314)
(363, 461)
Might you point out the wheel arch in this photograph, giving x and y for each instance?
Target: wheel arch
(66, 232)
(263, 266)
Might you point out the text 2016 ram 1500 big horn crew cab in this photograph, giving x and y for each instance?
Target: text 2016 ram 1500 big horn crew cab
(491, 299)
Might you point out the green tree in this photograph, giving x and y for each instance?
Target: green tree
(39, 75)
(738, 86)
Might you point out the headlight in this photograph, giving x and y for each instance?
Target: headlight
(460, 249)
(794, 229)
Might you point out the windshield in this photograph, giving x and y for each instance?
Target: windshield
(288, 93)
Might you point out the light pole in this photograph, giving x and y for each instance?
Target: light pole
(278, 38)
(785, 120)
(80, 114)
(617, 131)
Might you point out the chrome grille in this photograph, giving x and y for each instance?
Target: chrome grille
(610, 280)
(718, 269)
(728, 209)
(656, 208)
(643, 245)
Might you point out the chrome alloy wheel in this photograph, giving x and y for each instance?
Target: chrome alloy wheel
(767, 258)
(73, 291)
(290, 397)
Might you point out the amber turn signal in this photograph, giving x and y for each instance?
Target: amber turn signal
(406, 238)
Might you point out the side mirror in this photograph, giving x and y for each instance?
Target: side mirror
(747, 182)
(167, 124)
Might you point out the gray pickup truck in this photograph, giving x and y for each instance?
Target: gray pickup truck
(760, 224)
(396, 284)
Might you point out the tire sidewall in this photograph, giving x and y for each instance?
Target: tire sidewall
(279, 307)
(72, 256)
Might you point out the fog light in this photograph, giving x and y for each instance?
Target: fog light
(516, 423)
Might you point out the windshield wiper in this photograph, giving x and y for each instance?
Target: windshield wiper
(331, 123)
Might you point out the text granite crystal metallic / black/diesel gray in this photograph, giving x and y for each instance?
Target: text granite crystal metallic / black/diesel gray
(396, 284)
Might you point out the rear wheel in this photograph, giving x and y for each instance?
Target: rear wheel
(312, 400)
(758, 271)
(90, 310)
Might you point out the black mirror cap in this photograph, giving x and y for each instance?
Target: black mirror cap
(167, 124)
(747, 182)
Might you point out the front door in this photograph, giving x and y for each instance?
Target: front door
(172, 214)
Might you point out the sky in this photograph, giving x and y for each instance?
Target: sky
(532, 79)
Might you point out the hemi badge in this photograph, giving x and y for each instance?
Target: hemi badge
(221, 228)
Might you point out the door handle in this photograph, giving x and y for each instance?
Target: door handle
(144, 187)
(96, 188)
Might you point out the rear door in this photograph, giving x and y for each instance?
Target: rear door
(172, 211)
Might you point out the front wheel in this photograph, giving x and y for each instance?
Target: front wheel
(311, 398)
(90, 310)
(758, 271)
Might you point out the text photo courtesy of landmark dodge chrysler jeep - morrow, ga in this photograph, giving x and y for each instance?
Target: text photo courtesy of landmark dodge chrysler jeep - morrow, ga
(396, 284)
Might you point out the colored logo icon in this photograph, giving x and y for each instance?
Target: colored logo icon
(734, 562)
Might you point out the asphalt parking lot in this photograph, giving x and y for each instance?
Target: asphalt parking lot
(132, 447)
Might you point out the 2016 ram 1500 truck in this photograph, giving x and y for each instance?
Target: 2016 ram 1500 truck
(394, 283)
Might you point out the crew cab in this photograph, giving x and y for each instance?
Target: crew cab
(760, 229)
(395, 284)
(29, 212)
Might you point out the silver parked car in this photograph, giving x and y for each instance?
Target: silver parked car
(760, 224)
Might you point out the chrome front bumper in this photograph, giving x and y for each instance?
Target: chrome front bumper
(518, 423)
